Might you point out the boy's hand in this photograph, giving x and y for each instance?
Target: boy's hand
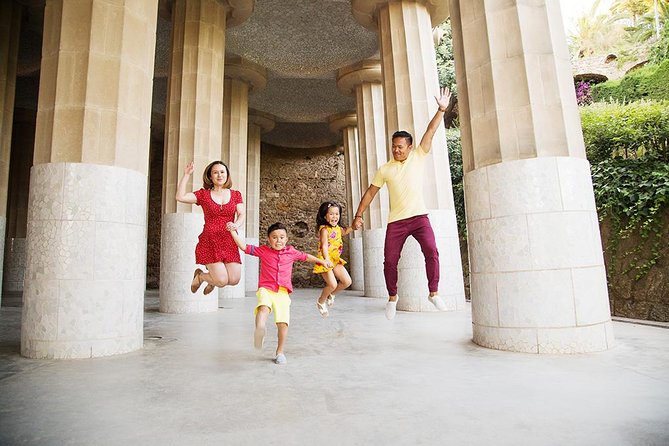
(327, 263)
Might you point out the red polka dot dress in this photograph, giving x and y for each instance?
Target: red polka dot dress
(215, 243)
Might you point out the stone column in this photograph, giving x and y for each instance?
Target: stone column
(410, 83)
(193, 133)
(346, 122)
(86, 237)
(10, 24)
(259, 123)
(363, 80)
(241, 78)
(538, 282)
(23, 142)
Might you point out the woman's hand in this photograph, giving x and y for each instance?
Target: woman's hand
(230, 226)
(190, 168)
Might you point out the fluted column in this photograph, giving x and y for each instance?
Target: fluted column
(410, 84)
(363, 80)
(86, 236)
(241, 78)
(259, 123)
(538, 282)
(193, 133)
(346, 122)
(10, 24)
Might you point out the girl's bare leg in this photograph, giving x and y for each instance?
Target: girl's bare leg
(330, 285)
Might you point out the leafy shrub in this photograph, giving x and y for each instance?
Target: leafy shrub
(648, 82)
(455, 158)
(626, 130)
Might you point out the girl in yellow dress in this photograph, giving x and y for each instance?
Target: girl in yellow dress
(330, 247)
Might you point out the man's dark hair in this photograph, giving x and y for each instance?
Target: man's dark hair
(276, 226)
(403, 134)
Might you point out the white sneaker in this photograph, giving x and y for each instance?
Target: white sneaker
(438, 302)
(391, 309)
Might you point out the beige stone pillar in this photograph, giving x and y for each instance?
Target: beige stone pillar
(363, 80)
(241, 78)
(10, 24)
(346, 122)
(538, 282)
(410, 84)
(259, 123)
(193, 133)
(86, 240)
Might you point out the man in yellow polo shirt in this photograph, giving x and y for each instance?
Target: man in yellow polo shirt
(408, 214)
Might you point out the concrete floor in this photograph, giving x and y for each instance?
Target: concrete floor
(354, 378)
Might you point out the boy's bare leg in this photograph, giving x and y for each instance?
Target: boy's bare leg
(282, 329)
(261, 320)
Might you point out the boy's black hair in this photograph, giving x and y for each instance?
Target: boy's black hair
(275, 226)
(403, 134)
(323, 211)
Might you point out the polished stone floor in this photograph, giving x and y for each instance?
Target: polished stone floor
(354, 378)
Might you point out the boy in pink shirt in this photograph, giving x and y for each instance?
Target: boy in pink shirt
(274, 282)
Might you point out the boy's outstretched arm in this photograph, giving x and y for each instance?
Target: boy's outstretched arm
(241, 244)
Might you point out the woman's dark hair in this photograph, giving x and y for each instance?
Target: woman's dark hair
(276, 226)
(206, 176)
(403, 134)
(323, 212)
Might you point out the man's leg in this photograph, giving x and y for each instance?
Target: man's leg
(424, 234)
(396, 234)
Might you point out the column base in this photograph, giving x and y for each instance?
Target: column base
(558, 340)
(356, 263)
(372, 253)
(85, 270)
(177, 264)
(14, 265)
(251, 268)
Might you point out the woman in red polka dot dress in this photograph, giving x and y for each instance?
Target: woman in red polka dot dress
(222, 207)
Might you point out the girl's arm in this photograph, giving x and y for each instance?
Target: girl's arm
(323, 236)
(183, 196)
(241, 244)
(312, 259)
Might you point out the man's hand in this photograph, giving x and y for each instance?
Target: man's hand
(357, 223)
(444, 98)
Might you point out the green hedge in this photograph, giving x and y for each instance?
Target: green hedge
(648, 82)
(455, 159)
(638, 129)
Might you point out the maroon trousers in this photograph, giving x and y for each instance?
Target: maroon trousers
(396, 234)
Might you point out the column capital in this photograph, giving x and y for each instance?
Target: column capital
(368, 70)
(237, 11)
(342, 120)
(366, 11)
(236, 67)
(263, 120)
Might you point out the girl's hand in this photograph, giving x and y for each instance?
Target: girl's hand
(230, 226)
(190, 168)
(327, 263)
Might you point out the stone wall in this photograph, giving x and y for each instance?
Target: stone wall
(648, 297)
(293, 184)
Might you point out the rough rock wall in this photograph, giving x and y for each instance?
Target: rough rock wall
(293, 184)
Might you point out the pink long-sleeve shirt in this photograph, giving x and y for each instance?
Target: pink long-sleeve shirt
(276, 267)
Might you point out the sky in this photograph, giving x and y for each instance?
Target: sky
(572, 9)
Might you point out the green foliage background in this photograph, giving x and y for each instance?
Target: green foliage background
(648, 82)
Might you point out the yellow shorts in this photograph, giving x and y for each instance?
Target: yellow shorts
(277, 301)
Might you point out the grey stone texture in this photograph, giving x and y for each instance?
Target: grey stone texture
(293, 184)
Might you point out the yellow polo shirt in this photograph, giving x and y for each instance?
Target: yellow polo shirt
(405, 185)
